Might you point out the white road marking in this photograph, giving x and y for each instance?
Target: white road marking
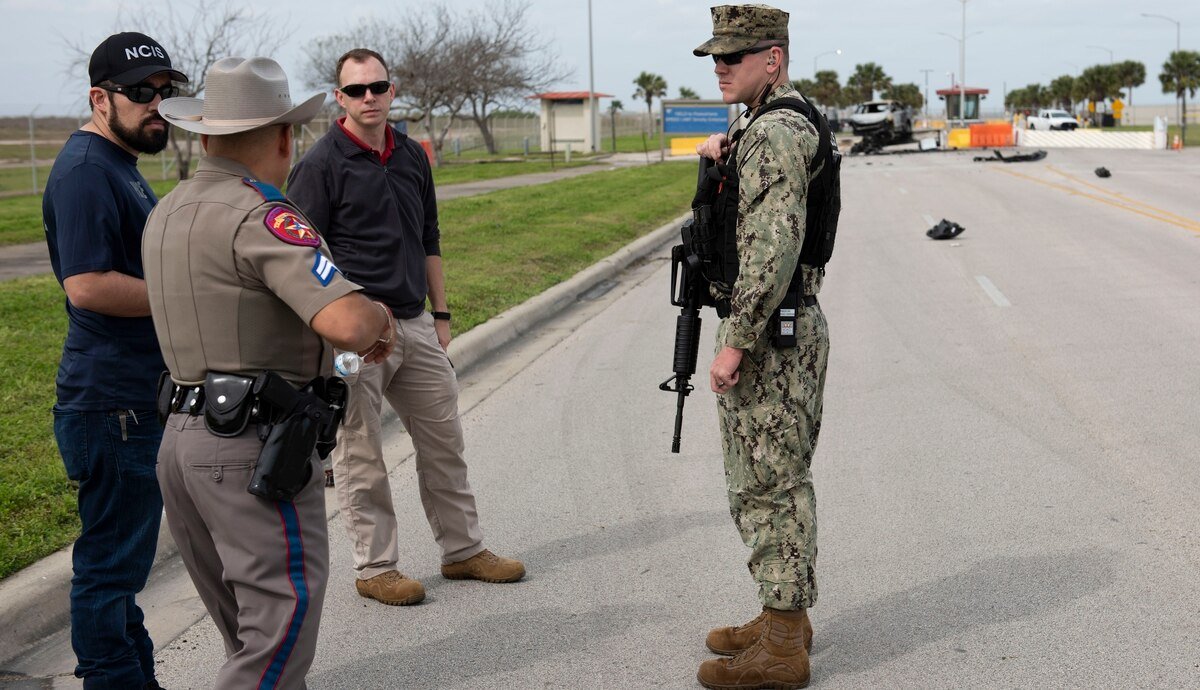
(991, 290)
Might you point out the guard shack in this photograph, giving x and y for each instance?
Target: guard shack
(566, 119)
(687, 122)
(972, 95)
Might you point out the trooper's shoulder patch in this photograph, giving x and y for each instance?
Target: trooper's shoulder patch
(266, 191)
(288, 226)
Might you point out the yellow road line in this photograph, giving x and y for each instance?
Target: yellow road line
(1158, 214)
(1122, 197)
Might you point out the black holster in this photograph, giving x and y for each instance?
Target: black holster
(301, 421)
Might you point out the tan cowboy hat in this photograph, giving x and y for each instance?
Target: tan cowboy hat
(240, 95)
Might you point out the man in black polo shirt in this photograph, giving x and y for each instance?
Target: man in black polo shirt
(94, 209)
(369, 192)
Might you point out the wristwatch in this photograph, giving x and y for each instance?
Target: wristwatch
(441, 315)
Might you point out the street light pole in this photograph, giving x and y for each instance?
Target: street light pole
(820, 55)
(962, 67)
(1178, 25)
(1110, 53)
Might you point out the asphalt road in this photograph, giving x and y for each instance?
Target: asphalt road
(1006, 475)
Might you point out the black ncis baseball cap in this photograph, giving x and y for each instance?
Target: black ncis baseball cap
(128, 58)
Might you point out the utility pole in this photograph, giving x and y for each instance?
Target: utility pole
(925, 105)
(33, 168)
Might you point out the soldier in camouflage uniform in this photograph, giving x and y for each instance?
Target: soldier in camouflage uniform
(769, 398)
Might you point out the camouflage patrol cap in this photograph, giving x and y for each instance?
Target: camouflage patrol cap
(738, 27)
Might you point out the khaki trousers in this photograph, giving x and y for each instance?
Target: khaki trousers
(419, 383)
(259, 566)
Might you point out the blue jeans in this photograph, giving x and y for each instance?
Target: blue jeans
(113, 456)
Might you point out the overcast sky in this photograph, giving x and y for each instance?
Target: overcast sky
(1022, 41)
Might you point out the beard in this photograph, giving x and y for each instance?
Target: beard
(140, 139)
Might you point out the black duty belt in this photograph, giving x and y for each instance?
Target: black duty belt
(187, 399)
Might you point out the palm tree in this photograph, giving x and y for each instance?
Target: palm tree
(1181, 76)
(1062, 91)
(685, 92)
(866, 80)
(828, 91)
(614, 106)
(1131, 73)
(1098, 83)
(907, 94)
(649, 87)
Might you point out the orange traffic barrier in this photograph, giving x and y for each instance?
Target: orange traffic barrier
(1177, 144)
(992, 135)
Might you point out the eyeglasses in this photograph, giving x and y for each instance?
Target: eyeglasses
(143, 93)
(360, 90)
(736, 58)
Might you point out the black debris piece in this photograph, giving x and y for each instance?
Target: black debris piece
(998, 157)
(945, 230)
(1103, 172)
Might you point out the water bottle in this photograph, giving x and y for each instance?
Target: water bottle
(347, 364)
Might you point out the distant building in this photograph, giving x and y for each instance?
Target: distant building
(566, 119)
(951, 96)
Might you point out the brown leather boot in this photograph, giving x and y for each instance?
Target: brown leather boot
(735, 639)
(777, 659)
(391, 588)
(485, 566)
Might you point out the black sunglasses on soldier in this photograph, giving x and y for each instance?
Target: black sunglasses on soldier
(143, 93)
(736, 58)
(360, 90)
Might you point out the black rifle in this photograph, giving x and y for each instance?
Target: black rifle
(690, 288)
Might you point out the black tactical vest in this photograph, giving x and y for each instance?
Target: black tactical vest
(824, 204)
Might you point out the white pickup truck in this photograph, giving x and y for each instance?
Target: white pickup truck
(1049, 118)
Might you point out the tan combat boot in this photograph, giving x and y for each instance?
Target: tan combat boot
(735, 639)
(391, 588)
(777, 659)
(485, 566)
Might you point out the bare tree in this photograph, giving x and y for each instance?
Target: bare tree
(195, 34)
(505, 61)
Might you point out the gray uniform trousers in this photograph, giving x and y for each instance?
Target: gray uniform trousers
(260, 566)
(419, 383)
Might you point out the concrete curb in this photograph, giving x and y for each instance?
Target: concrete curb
(34, 602)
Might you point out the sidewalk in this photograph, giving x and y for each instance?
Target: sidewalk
(34, 607)
(34, 259)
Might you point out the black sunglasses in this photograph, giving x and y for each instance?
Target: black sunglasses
(143, 93)
(360, 90)
(736, 58)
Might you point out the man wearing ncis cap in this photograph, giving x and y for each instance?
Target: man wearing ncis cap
(768, 389)
(241, 285)
(94, 209)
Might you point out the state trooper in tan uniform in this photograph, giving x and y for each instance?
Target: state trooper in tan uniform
(240, 284)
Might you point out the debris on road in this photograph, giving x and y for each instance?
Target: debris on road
(945, 230)
(997, 156)
(1103, 172)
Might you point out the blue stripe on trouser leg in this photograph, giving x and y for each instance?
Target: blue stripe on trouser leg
(295, 561)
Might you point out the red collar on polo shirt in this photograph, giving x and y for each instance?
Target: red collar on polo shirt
(389, 141)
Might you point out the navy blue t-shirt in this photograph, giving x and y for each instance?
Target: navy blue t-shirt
(94, 211)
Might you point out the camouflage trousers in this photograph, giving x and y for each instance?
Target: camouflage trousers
(769, 426)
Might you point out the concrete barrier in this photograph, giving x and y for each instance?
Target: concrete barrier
(1085, 139)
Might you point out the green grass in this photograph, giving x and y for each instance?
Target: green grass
(21, 219)
(37, 505)
(500, 250)
(505, 247)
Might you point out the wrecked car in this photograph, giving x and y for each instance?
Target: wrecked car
(882, 117)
